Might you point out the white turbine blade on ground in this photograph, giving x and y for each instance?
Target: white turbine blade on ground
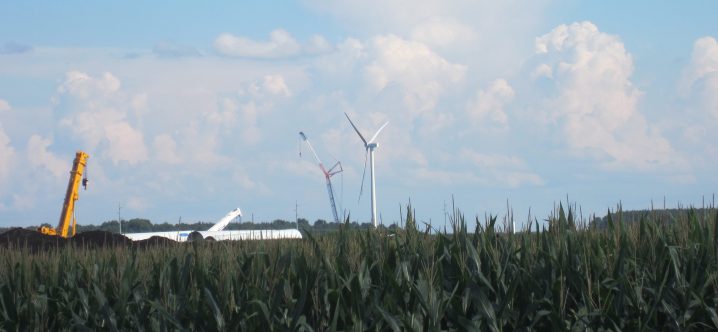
(363, 173)
(377, 132)
(355, 129)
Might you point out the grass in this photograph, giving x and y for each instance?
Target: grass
(649, 275)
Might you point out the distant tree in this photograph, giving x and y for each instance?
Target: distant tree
(136, 226)
(279, 224)
(320, 223)
(303, 223)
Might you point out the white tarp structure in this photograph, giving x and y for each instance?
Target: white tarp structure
(218, 233)
(181, 236)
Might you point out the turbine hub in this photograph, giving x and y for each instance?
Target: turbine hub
(371, 145)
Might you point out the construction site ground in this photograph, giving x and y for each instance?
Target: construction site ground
(34, 241)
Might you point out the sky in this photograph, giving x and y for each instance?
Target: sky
(190, 110)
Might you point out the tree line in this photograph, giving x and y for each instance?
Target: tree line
(141, 225)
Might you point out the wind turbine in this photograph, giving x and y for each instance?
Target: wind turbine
(369, 146)
(327, 175)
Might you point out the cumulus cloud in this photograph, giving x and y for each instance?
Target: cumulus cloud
(281, 44)
(318, 45)
(421, 73)
(246, 182)
(700, 78)
(509, 171)
(486, 170)
(82, 86)
(126, 143)
(242, 111)
(596, 104)
(39, 156)
(165, 149)
(226, 112)
(275, 85)
(442, 32)
(487, 107)
(96, 110)
(4, 106)
(137, 203)
(269, 86)
(7, 154)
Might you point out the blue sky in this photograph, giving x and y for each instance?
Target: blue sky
(190, 111)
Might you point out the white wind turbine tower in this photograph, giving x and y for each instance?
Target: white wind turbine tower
(369, 146)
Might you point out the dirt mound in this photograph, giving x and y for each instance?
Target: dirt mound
(155, 241)
(30, 239)
(97, 239)
(20, 238)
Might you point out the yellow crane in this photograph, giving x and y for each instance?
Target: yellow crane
(78, 176)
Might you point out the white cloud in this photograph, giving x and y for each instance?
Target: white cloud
(165, 149)
(250, 132)
(97, 111)
(281, 44)
(82, 86)
(126, 143)
(422, 74)
(442, 32)
(542, 70)
(491, 36)
(137, 203)
(596, 104)
(275, 85)
(487, 108)
(318, 45)
(492, 161)
(485, 169)
(225, 114)
(38, 156)
(7, 155)
(139, 102)
(509, 171)
(246, 182)
(444, 177)
(700, 78)
(4, 106)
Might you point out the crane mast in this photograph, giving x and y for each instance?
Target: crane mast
(337, 168)
(67, 217)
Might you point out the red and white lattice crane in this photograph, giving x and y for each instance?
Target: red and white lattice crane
(328, 173)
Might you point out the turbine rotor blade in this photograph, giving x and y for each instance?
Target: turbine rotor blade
(357, 130)
(377, 132)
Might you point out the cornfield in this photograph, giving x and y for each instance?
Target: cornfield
(567, 275)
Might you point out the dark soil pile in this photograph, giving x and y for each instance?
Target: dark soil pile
(155, 241)
(30, 239)
(99, 239)
(34, 241)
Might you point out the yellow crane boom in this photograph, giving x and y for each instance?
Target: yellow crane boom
(67, 217)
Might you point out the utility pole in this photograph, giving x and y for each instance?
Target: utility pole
(296, 214)
(119, 216)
